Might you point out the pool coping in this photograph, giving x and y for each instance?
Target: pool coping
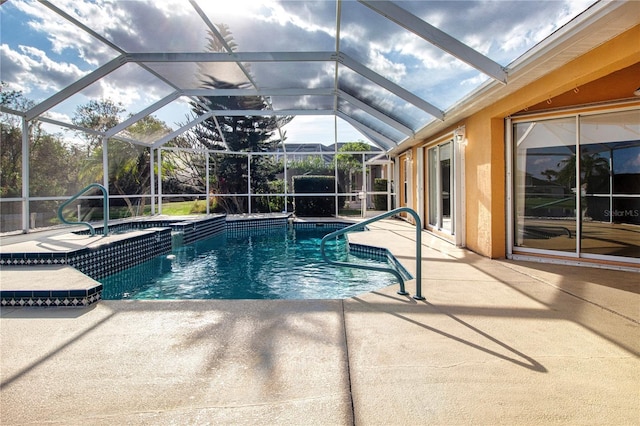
(48, 285)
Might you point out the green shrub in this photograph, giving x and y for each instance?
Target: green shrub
(380, 200)
(200, 206)
(314, 206)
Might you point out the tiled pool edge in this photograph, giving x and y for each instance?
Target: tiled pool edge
(52, 298)
(98, 262)
(380, 253)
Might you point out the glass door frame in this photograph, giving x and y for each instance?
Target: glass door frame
(457, 231)
(514, 252)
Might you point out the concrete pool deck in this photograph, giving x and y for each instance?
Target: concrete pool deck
(495, 342)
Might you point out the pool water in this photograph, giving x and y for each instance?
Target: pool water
(262, 264)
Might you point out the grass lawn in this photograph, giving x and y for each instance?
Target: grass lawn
(182, 208)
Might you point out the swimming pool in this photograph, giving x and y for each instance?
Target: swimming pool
(282, 263)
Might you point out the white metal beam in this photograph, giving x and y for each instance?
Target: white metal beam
(380, 139)
(181, 130)
(375, 113)
(4, 109)
(335, 71)
(390, 86)
(438, 38)
(90, 131)
(131, 141)
(259, 92)
(145, 112)
(70, 126)
(26, 133)
(74, 88)
(320, 56)
(268, 112)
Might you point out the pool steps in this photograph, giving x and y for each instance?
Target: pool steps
(392, 270)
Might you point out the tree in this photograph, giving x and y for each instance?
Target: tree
(11, 141)
(10, 160)
(52, 161)
(50, 158)
(244, 134)
(129, 164)
(100, 115)
(348, 164)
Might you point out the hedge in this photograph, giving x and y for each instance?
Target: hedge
(380, 200)
(314, 206)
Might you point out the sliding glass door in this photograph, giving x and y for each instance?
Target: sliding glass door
(610, 184)
(576, 185)
(545, 184)
(440, 187)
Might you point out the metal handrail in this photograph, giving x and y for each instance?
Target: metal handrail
(105, 214)
(397, 274)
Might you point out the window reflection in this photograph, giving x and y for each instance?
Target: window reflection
(545, 185)
(610, 180)
(587, 203)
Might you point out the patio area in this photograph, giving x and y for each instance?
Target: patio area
(495, 342)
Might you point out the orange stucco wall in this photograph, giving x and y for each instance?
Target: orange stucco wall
(485, 166)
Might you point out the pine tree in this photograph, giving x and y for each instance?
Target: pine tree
(248, 134)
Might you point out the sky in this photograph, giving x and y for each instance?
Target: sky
(41, 53)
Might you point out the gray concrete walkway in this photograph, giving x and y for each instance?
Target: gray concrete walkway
(495, 342)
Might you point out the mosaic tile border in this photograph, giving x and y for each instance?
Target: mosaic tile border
(53, 298)
(199, 230)
(194, 229)
(330, 226)
(97, 262)
(119, 255)
(246, 224)
(382, 254)
(115, 256)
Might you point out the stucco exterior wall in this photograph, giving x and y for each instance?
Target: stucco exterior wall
(485, 166)
(488, 126)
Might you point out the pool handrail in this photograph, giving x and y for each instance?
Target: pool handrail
(105, 214)
(397, 274)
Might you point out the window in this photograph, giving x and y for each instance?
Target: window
(577, 185)
(610, 184)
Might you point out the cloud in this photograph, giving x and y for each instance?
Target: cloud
(381, 64)
(630, 164)
(319, 129)
(502, 30)
(63, 35)
(32, 69)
